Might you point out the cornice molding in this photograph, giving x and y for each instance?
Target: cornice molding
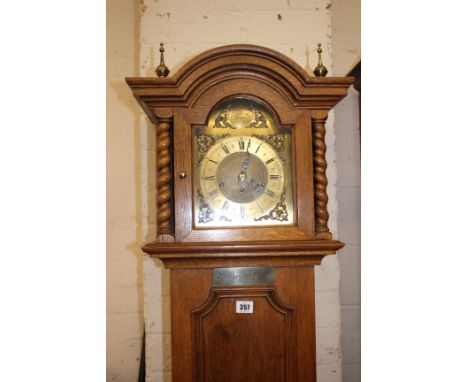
(231, 62)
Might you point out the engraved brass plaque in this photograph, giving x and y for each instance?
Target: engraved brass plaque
(222, 277)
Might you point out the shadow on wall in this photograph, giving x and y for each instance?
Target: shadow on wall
(126, 100)
(145, 221)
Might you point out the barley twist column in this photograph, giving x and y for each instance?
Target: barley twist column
(164, 176)
(320, 180)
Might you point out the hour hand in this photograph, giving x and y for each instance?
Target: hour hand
(257, 187)
(245, 165)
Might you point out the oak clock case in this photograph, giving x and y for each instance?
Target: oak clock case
(242, 167)
(238, 153)
(241, 211)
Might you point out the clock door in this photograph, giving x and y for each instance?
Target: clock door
(241, 171)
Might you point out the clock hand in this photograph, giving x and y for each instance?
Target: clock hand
(242, 177)
(258, 187)
(245, 164)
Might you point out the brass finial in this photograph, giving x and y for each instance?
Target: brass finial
(320, 70)
(162, 70)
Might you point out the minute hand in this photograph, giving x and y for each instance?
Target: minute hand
(245, 165)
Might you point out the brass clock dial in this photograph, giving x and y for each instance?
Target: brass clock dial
(243, 170)
(242, 178)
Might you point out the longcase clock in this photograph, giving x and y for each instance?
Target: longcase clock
(241, 210)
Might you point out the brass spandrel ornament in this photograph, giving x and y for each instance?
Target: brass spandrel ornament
(162, 70)
(204, 143)
(205, 213)
(279, 212)
(320, 70)
(276, 141)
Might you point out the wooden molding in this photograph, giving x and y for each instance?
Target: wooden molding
(230, 254)
(238, 61)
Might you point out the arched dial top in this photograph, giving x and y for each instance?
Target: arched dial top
(242, 167)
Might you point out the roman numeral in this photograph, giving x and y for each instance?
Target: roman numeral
(211, 160)
(274, 176)
(226, 205)
(270, 193)
(226, 150)
(241, 144)
(242, 211)
(209, 177)
(258, 148)
(269, 161)
(213, 193)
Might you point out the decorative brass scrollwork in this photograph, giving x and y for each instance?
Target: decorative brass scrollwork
(276, 141)
(240, 118)
(279, 212)
(205, 213)
(204, 143)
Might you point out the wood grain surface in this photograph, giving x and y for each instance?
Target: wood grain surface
(214, 343)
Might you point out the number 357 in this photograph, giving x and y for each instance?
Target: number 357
(244, 306)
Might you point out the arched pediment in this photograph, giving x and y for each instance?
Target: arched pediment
(218, 65)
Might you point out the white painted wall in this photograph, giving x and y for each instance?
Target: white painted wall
(349, 219)
(188, 28)
(346, 35)
(124, 259)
